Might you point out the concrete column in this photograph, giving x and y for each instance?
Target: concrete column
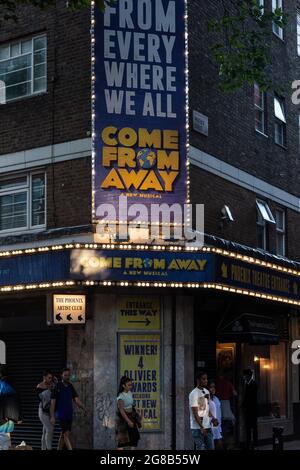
(105, 371)
(184, 369)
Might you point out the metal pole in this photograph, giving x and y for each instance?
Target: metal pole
(173, 393)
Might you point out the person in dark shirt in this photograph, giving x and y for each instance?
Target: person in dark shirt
(250, 407)
(62, 398)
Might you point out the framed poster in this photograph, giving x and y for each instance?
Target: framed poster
(140, 360)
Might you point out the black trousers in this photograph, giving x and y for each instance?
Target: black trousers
(251, 429)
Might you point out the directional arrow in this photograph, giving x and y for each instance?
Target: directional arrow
(80, 318)
(58, 317)
(146, 322)
(69, 317)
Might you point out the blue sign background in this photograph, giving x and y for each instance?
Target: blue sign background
(37, 267)
(103, 118)
(90, 264)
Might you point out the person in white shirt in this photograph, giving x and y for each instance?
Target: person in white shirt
(215, 409)
(200, 416)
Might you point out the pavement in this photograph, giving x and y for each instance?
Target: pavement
(289, 445)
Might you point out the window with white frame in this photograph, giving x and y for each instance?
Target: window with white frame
(280, 121)
(280, 232)
(276, 5)
(298, 32)
(264, 216)
(23, 68)
(260, 4)
(22, 202)
(260, 109)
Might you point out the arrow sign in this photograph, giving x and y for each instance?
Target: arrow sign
(58, 317)
(69, 317)
(145, 322)
(80, 317)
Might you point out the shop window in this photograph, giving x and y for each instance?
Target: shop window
(23, 68)
(269, 364)
(22, 202)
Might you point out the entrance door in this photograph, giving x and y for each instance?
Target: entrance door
(227, 384)
(28, 353)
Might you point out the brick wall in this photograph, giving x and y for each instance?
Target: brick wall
(232, 136)
(63, 112)
(214, 192)
(69, 193)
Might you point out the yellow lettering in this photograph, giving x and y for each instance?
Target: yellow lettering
(169, 179)
(133, 178)
(150, 139)
(151, 182)
(171, 140)
(126, 157)
(165, 161)
(127, 137)
(107, 135)
(109, 154)
(112, 180)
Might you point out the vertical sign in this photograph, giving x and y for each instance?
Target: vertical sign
(140, 359)
(139, 105)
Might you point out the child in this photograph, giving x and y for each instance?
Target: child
(215, 409)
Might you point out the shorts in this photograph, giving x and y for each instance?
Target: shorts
(66, 425)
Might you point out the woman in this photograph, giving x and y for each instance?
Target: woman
(128, 420)
(44, 390)
(215, 408)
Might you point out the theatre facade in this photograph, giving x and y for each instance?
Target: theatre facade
(157, 314)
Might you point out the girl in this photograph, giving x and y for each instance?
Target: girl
(128, 420)
(44, 390)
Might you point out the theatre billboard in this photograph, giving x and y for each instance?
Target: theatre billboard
(139, 104)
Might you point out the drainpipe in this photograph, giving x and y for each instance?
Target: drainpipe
(173, 367)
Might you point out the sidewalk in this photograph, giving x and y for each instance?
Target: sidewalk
(289, 445)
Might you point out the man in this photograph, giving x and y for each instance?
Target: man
(226, 393)
(9, 409)
(250, 407)
(62, 399)
(200, 417)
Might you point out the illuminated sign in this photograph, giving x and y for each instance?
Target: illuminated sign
(140, 360)
(138, 312)
(136, 265)
(68, 309)
(139, 103)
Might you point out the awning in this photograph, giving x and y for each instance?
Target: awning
(250, 328)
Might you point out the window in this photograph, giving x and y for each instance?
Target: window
(298, 32)
(23, 68)
(280, 121)
(260, 4)
(276, 5)
(22, 202)
(263, 217)
(260, 109)
(2, 352)
(280, 232)
(269, 365)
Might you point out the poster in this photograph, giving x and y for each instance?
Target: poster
(139, 312)
(139, 106)
(140, 359)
